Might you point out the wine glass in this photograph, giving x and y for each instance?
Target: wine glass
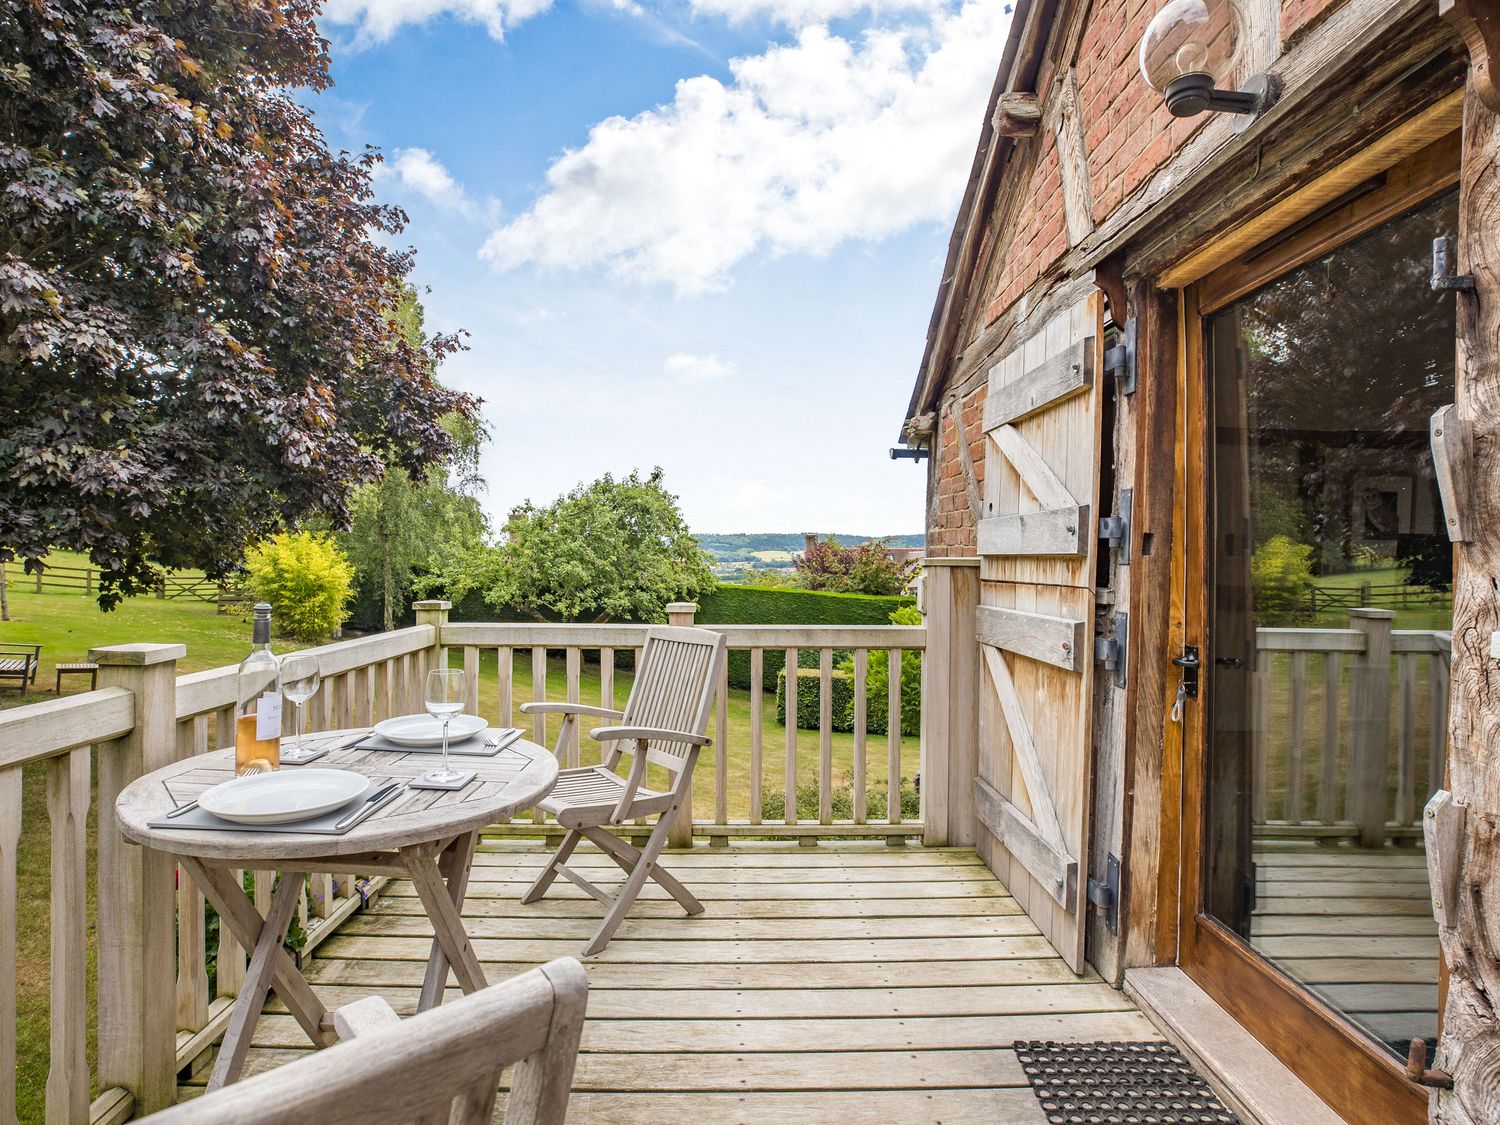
(446, 694)
(299, 683)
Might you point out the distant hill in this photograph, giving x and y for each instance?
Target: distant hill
(775, 550)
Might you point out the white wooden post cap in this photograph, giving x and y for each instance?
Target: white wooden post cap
(432, 605)
(682, 607)
(1371, 614)
(136, 655)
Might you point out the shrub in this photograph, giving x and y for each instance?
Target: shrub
(773, 803)
(810, 696)
(1282, 578)
(306, 579)
(760, 605)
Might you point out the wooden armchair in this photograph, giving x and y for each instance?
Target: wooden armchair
(663, 724)
(20, 663)
(440, 1066)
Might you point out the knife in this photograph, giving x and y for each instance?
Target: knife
(369, 805)
(180, 809)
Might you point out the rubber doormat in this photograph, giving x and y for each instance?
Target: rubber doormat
(1119, 1084)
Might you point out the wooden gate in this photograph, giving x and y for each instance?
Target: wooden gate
(1038, 541)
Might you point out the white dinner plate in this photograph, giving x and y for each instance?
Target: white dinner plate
(283, 796)
(424, 730)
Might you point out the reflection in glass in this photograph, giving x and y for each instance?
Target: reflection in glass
(1329, 639)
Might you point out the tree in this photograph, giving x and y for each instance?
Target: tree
(399, 527)
(196, 345)
(613, 549)
(865, 569)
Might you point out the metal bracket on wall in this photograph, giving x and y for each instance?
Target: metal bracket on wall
(1111, 649)
(1119, 361)
(1106, 895)
(1116, 528)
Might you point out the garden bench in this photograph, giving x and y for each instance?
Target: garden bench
(20, 663)
(78, 668)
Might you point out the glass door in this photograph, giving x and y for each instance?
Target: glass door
(1328, 625)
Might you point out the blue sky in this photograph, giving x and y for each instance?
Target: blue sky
(705, 235)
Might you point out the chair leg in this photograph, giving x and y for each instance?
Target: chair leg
(626, 855)
(639, 873)
(549, 873)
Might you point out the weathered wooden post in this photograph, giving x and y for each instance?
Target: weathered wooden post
(950, 701)
(137, 892)
(1369, 724)
(681, 836)
(434, 613)
(1470, 1046)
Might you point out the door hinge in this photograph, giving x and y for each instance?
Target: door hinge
(1106, 895)
(1119, 361)
(1443, 259)
(1116, 528)
(1111, 649)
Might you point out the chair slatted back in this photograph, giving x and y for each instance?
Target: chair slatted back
(674, 688)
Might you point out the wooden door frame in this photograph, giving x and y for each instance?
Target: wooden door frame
(1336, 1060)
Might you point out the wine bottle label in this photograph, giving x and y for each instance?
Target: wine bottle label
(268, 716)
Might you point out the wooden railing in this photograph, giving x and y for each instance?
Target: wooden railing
(156, 1011)
(1350, 727)
(720, 809)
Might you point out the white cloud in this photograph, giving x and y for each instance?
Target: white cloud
(812, 144)
(375, 21)
(804, 13)
(417, 170)
(688, 368)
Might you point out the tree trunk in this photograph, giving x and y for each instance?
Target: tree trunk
(4, 594)
(1470, 1045)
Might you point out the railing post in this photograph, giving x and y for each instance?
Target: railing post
(681, 835)
(1369, 724)
(950, 701)
(434, 613)
(137, 893)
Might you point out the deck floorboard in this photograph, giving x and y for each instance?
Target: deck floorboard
(844, 983)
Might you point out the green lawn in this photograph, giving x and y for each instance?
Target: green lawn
(67, 625)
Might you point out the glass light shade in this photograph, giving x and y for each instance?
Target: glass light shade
(1191, 37)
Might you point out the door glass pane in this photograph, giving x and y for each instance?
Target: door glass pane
(1329, 634)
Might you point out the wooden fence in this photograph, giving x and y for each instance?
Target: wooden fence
(85, 580)
(1350, 728)
(156, 1012)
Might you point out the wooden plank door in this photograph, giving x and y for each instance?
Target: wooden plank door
(1038, 539)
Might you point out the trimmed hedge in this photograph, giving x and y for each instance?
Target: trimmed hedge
(774, 605)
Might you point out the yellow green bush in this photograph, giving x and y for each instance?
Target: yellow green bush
(305, 579)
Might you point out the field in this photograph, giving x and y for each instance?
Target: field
(68, 625)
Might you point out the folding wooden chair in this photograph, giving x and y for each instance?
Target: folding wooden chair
(663, 724)
(438, 1067)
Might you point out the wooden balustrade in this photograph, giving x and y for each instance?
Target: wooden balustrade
(153, 959)
(160, 1008)
(1350, 727)
(731, 781)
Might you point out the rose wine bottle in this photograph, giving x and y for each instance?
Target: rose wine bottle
(257, 722)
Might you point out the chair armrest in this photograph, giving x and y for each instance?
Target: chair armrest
(570, 709)
(649, 734)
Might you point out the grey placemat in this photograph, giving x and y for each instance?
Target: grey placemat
(474, 747)
(200, 819)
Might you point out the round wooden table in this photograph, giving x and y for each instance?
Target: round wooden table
(427, 836)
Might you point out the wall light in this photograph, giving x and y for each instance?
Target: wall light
(1189, 48)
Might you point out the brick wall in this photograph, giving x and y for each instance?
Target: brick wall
(1128, 135)
(952, 531)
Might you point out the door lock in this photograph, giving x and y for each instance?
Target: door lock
(1190, 665)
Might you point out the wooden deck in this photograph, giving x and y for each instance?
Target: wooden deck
(845, 983)
(1355, 925)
